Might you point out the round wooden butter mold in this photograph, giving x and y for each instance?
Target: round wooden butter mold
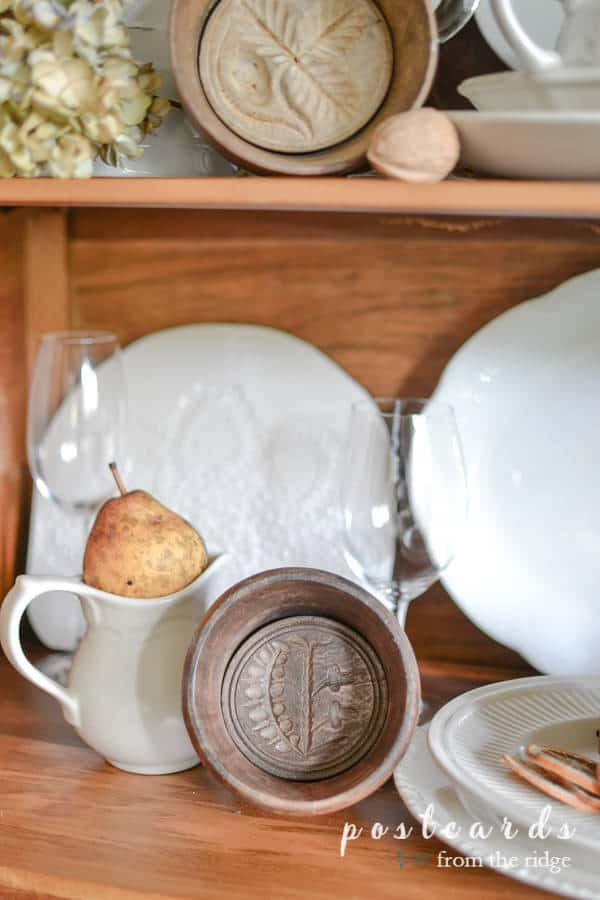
(293, 76)
(413, 33)
(304, 698)
(337, 647)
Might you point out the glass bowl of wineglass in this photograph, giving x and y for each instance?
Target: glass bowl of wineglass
(76, 417)
(75, 427)
(403, 496)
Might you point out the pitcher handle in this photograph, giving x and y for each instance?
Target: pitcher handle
(26, 589)
(530, 55)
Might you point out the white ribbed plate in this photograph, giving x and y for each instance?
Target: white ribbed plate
(469, 735)
(420, 782)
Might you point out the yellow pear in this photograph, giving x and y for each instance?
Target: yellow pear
(139, 548)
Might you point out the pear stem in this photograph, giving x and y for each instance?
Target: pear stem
(115, 473)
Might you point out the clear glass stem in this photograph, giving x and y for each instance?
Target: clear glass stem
(401, 611)
(397, 602)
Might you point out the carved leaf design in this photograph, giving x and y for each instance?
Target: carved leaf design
(318, 92)
(270, 29)
(307, 52)
(339, 29)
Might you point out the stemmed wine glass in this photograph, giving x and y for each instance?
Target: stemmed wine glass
(76, 417)
(404, 496)
(75, 428)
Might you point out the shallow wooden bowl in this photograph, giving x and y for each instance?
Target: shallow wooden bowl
(287, 740)
(414, 37)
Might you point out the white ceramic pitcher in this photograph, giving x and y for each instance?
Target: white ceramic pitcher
(578, 43)
(124, 692)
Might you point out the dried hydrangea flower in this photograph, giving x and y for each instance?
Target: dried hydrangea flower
(70, 89)
(65, 86)
(18, 156)
(46, 14)
(72, 157)
(38, 137)
(156, 113)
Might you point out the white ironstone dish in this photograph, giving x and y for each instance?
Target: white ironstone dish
(526, 393)
(469, 735)
(550, 145)
(557, 90)
(420, 782)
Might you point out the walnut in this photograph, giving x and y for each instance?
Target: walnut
(419, 145)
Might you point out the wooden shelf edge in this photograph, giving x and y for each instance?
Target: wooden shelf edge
(369, 195)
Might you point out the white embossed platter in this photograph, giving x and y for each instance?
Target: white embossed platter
(525, 394)
(470, 734)
(237, 428)
(420, 782)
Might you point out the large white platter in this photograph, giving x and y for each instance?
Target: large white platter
(421, 782)
(526, 391)
(239, 429)
(470, 734)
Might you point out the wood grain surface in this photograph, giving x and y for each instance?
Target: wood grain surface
(46, 296)
(360, 194)
(390, 298)
(74, 828)
(14, 486)
(33, 299)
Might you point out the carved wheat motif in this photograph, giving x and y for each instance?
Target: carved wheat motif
(303, 698)
(266, 695)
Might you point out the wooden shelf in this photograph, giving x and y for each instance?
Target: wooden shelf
(74, 828)
(369, 195)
